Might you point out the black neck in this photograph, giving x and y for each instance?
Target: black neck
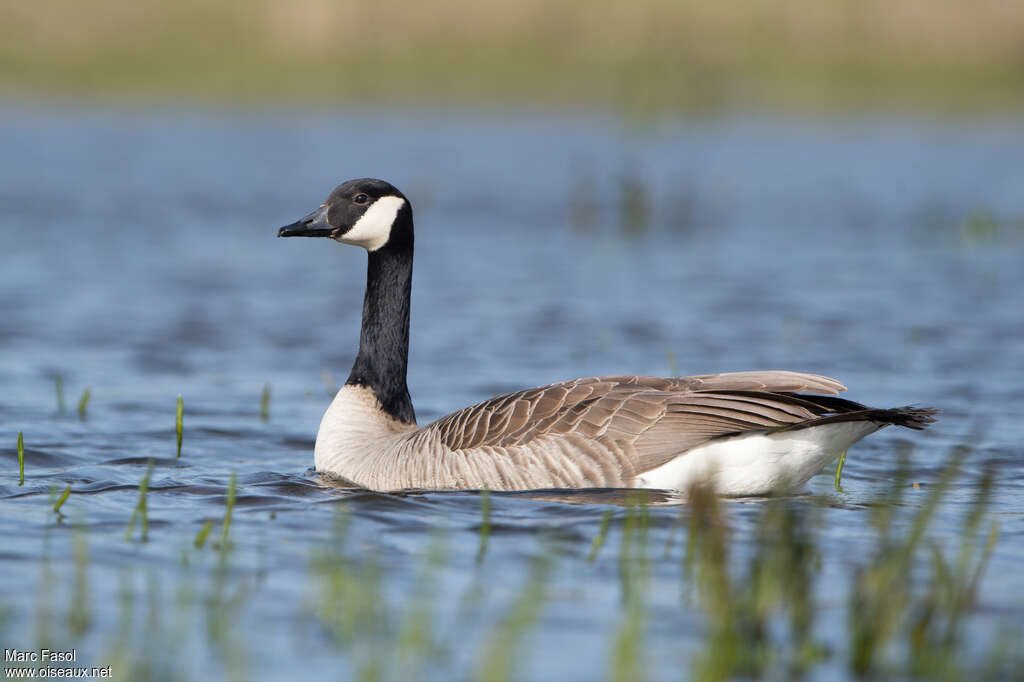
(384, 339)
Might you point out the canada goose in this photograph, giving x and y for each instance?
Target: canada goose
(743, 433)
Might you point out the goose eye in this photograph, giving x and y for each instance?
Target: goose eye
(360, 198)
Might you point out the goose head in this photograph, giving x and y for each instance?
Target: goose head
(366, 212)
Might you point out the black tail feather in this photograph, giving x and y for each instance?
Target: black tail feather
(833, 410)
(909, 416)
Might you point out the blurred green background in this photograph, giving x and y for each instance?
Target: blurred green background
(652, 55)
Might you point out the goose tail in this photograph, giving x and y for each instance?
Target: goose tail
(911, 417)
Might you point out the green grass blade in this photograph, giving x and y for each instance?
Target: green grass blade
(501, 652)
(83, 402)
(140, 510)
(179, 416)
(265, 403)
(602, 534)
(201, 535)
(986, 554)
(229, 506)
(60, 500)
(926, 513)
(21, 459)
(839, 469)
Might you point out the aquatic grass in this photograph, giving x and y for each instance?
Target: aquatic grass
(83, 403)
(633, 538)
(265, 403)
(759, 620)
(485, 523)
(179, 416)
(883, 594)
(754, 566)
(21, 459)
(229, 506)
(201, 536)
(707, 565)
(139, 648)
(62, 499)
(602, 535)
(935, 619)
(500, 651)
(140, 511)
(224, 602)
(839, 469)
(153, 625)
(378, 639)
(785, 563)
(627, 650)
(670, 536)
(765, 563)
(627, 658)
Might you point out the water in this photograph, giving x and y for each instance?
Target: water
(140, 261)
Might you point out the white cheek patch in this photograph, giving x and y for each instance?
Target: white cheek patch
(373, 229)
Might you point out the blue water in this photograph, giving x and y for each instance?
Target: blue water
(140, 261)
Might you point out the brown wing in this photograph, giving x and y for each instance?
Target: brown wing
(659, 417)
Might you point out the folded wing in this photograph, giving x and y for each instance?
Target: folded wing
(655, 419)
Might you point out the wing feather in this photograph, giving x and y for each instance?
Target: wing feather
(645, 420)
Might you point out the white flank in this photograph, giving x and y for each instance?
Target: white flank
(373, 229)
(758, 464)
